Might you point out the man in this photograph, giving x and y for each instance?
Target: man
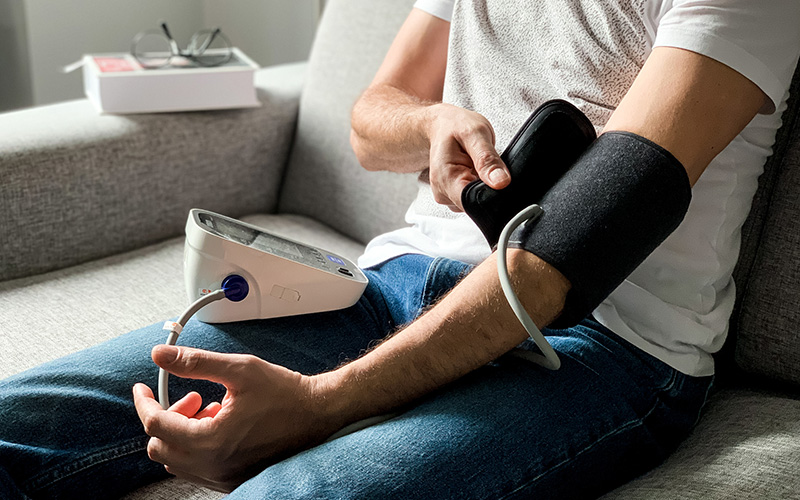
(472, 422)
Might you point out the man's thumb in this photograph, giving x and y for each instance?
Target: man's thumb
(491, 169)
(193, 363)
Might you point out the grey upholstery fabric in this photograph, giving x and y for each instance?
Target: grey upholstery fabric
(324, 180)
(746, 446)
(768, 341)
(727, 370)
(50, 315)
(75, 186)
(173, 489)
(764, 325)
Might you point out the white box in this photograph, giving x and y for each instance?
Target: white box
(116, 83)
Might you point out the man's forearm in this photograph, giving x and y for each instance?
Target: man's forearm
(468, 328)
(389, 130)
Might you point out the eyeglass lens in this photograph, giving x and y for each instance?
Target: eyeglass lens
(152, 49)
(209, 48)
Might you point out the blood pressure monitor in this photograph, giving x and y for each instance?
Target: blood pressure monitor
(279, 277)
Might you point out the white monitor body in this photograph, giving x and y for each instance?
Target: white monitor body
(285, 277)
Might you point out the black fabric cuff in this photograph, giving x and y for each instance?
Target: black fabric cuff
(605, 215)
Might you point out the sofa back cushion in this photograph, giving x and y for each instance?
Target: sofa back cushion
(324, 179)
(766, 321)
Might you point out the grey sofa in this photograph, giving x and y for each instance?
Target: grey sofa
(93, 209)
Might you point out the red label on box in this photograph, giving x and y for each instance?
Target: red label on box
(114, 64)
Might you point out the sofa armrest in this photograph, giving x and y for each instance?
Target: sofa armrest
(76, 185)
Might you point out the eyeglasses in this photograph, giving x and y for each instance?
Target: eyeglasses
(157, 49)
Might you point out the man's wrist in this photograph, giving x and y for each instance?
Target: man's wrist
(425, 118)
(335, 395)
(391, 130)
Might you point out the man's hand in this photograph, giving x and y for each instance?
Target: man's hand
(395, 131)
(461, 151)
(267, 413)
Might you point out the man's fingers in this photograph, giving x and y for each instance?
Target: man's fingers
(177, 462)
(157, 422)
(160, 451)
(209, 411)
(188, 405)
(453, 196)
(488, 164)
(186, 362)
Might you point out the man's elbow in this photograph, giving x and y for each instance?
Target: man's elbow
(363, 155)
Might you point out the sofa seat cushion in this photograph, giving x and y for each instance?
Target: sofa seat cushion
(173, 489)
(50, 315)
(745, 446)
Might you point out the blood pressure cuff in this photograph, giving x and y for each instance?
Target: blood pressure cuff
(545, 147)
(618, 202)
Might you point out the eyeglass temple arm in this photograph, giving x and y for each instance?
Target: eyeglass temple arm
(172, 43)
(208, 42)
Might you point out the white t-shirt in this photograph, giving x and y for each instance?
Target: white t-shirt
(508, 57)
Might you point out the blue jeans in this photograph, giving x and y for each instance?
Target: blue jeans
(68, 429)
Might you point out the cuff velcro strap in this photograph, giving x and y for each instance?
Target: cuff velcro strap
(605, 215)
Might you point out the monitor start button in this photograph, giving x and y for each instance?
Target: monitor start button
(336, 260)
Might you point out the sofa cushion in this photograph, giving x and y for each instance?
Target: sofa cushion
(77, 186)
(324, 179)
(745, 446)
(768, 273)
(173, 489)
(48, 316)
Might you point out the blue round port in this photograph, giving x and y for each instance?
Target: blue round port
(236, 287)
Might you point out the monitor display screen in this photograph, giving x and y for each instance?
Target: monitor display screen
(260, 240)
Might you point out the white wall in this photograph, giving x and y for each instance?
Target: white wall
(50, 34)
(269, 31)
(60, 32)
(15, 82)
